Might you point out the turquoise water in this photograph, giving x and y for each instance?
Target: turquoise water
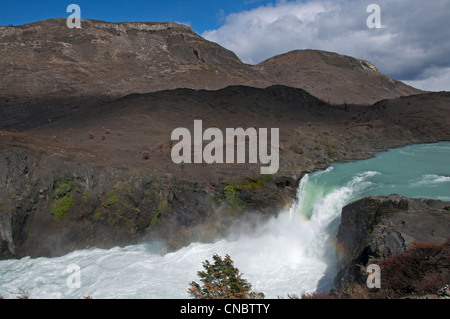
(290, 254)
(412, 171)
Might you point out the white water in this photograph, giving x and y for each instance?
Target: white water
(291, 254)
(285, 255)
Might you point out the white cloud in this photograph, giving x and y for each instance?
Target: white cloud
(413, 41)
(440, 82)
(255, 35)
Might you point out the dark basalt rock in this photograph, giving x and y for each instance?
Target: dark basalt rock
(113, 207)
(373, 229)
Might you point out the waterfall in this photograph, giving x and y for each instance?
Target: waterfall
(292, 253)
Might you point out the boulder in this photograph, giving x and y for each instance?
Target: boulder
(375, 228)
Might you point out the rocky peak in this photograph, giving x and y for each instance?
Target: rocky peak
(333, 77)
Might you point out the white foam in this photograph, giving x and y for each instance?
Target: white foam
(432, 179)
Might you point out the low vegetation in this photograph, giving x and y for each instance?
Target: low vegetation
(62, 206)
(421, 270)
(62, 199)
(233, 189)
(87, 195)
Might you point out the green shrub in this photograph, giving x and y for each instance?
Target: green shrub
(163, 205)
(331, 153)
(232, 197)
(62, 206)
(155, 218)
(97, 215)
(86, 195)
(63, 188)
(221, 280)
(62, 198)
(252, 184)
(162, 208)
(232, 191)
(147, 192)
(266, 177)
(112, 198)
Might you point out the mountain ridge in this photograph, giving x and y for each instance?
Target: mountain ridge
(330, 76)
(46, 63)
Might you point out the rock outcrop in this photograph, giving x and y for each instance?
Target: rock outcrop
(375, 228)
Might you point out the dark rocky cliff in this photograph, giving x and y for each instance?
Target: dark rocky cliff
(374, 229)
(51, 206)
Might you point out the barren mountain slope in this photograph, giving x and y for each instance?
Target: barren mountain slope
(48, 70)
(48, 58)
(334, 78)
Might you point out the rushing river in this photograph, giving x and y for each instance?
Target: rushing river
(290, 254)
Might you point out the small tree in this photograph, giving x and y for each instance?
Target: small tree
(221, 280)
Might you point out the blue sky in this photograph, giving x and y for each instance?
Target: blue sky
(201, 15)
(412, 45)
